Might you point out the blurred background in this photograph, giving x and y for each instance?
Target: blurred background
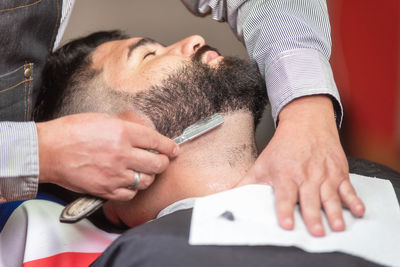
(366, 65)
(365, 59)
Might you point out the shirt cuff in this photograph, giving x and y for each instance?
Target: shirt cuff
(19, 161)
(300, 72)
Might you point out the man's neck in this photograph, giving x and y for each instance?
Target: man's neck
(212, 163)
(216, 161)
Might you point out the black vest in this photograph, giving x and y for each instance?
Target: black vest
(28, 29)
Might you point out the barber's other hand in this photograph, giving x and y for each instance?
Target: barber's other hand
(97, 154)
(305, 162)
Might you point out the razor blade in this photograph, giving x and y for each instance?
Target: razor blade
(86, 205)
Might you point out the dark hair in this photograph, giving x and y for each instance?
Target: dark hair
(71, 60)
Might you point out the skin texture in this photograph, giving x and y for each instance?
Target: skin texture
(306, 140)
(97, 153)
(143, 69)
(205, 166)
(201, 168)
(304, 161)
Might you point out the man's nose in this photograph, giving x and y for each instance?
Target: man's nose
(188, 46)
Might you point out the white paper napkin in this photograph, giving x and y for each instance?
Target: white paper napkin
(374, 237)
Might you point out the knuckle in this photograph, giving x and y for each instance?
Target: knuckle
(285, 205)
(159, 164)
(114, 196)
(312, 215)
(293, 174)
(128, 196)
(307, 188)
(347, 189)
(351, 198)
(148, 181)
(131, 195)
(341, 175)
(105, 191)
(101, 188)
(107, 188)
(115, 158)
(329, 198)
(154, 143)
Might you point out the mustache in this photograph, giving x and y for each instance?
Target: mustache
(199, 53)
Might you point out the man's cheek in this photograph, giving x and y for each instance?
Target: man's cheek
(164, 68)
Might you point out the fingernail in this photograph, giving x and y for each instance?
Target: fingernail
(176, 151)
(338, 224)
(359, 208)
(318, 230)
(288, 223)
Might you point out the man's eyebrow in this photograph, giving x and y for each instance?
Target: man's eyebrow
(141, 42)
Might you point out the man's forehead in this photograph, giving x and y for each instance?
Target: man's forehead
(111, 46)
(118, 48)
(111, 49)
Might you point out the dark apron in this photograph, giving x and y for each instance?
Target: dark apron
(28, 29)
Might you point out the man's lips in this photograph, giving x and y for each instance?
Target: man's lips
(210, 56)
(207, 55)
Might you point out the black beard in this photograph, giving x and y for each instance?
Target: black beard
(197, 91)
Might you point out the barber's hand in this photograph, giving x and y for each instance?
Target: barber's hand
(305, 162)
(97, 154)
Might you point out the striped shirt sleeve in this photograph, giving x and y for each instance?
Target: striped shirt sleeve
(19, 161)
(290, 41)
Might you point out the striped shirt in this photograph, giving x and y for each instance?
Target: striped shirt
(289, 40)
(19, 157)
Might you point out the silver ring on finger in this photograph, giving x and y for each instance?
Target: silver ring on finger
(136, 182)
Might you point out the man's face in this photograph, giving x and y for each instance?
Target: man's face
(173, 87)
(135, 64)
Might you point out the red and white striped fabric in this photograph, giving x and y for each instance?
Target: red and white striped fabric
(33, 237)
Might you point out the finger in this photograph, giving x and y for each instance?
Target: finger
(147, 162)
(332, 206)
(350, 199)
(121, 194)
(144, 137)
(145, 180)
(133, 117)
(311, 208)
(285, 201)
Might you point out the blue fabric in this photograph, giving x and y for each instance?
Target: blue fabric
(7, 209)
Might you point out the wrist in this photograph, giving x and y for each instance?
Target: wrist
(44, 153)
(311, 109)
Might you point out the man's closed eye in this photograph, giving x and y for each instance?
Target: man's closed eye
(150, 54)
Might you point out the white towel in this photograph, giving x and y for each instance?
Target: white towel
(375, 237)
